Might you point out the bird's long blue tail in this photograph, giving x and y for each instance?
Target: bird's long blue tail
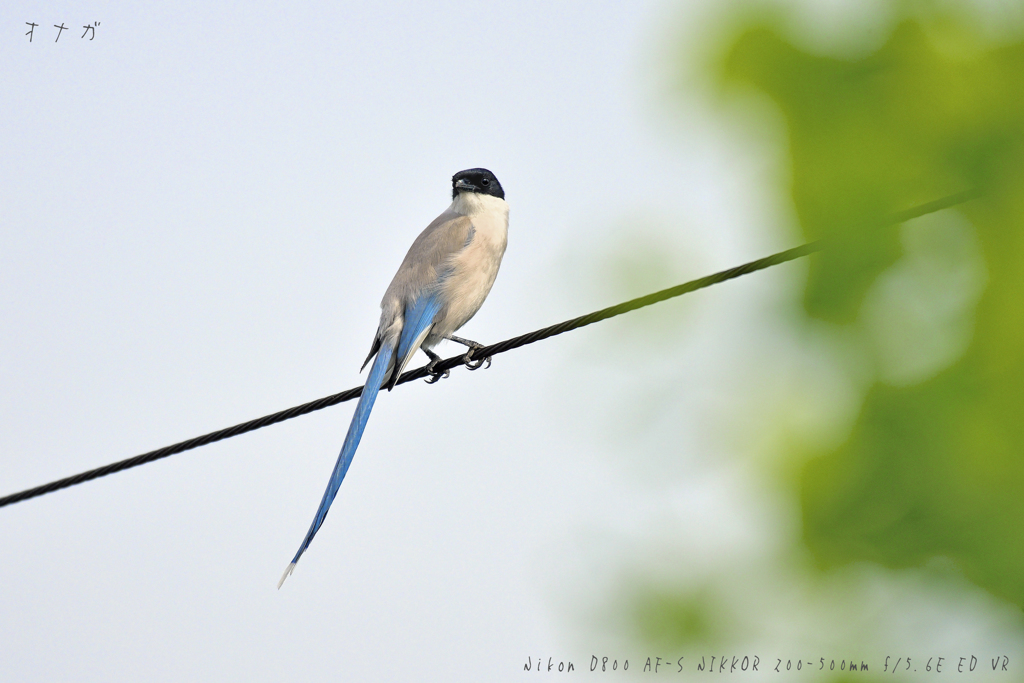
(348, 449)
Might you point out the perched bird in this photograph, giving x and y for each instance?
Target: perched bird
(440, 285)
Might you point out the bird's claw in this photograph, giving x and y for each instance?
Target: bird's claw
(476, 364)
(436, 375)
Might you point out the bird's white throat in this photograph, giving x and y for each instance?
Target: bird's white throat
(474, 203)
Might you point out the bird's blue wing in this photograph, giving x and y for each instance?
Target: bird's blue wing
(419, 318)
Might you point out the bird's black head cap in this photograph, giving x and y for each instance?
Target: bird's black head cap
(478, 180)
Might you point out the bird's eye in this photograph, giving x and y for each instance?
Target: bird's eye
(485, 181)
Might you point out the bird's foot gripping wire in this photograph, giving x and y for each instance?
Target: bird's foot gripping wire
(476, 364)
(435, 374)
(470, 362)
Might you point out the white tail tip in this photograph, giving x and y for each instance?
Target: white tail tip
(287, 572)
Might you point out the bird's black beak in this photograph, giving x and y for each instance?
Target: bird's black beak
(463, 184)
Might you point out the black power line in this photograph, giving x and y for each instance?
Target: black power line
(487, 351)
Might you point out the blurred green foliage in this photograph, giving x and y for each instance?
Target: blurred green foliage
(670, 618)
(934, 465)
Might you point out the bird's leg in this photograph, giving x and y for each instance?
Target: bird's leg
(473, 346)
(434, 360)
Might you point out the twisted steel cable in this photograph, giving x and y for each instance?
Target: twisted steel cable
(485, 352)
